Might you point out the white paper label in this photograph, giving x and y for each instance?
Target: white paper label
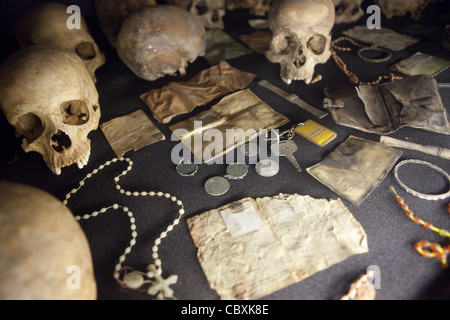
(242, 219)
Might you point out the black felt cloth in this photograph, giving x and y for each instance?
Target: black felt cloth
(391, 235)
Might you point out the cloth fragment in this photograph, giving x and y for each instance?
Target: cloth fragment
(178, 98)
(240, 112)
(385, 108)
(131, 132)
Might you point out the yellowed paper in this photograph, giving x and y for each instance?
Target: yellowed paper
(355, 168)
(241, 111)
(383, 37)
(251, 248)
(131, 132)
(421, 63)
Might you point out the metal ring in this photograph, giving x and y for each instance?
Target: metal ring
(388, 54)
(418, 194)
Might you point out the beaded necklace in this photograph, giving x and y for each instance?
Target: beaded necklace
(341, 64)
(425, 248)
(136, 279)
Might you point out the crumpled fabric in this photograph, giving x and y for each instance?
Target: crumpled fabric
(240, 111)
(383, 109)
(178, 98)
(131, 132)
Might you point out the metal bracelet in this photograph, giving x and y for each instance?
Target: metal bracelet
(430, 197)
(388, 54)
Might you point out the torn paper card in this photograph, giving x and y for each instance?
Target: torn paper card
(239, 112)
(178, 98)
(422, 64)
(355, 168)
(384, 37)
(220, 46)
(131, 132)
(251, 248)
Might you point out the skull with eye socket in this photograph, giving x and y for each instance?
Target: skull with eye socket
(301, 36)
(348, 11)
(49, 97)
(45, 24)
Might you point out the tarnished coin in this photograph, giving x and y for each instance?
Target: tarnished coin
(267, 168)
(250, 149)
(217, 186)
(237, 170)
(187, 169)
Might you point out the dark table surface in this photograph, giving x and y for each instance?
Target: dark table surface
(391, 235)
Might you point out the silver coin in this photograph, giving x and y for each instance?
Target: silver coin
(267, 168)
(237, 170)
(250, 149)
(217, 186)
(187, 169)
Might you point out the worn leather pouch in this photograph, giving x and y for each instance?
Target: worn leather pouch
(383, 109)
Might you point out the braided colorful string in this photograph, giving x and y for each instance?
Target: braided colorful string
(425, 248)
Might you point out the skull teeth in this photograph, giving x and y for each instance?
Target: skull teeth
(56, 171)
(86, 158)
(84, 161)
(80, 165)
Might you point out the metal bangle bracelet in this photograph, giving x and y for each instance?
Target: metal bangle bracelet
(418, 194)
(388, 54)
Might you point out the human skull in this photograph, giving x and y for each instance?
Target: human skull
(44, 254)
(256, 7)
(51, 100)
(160, 40)
(301, 36)
(392, 8)
(348, 11)
(210, 12)
(111, 14)
(46, 24)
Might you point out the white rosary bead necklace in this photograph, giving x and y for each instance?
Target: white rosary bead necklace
(135, 279)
